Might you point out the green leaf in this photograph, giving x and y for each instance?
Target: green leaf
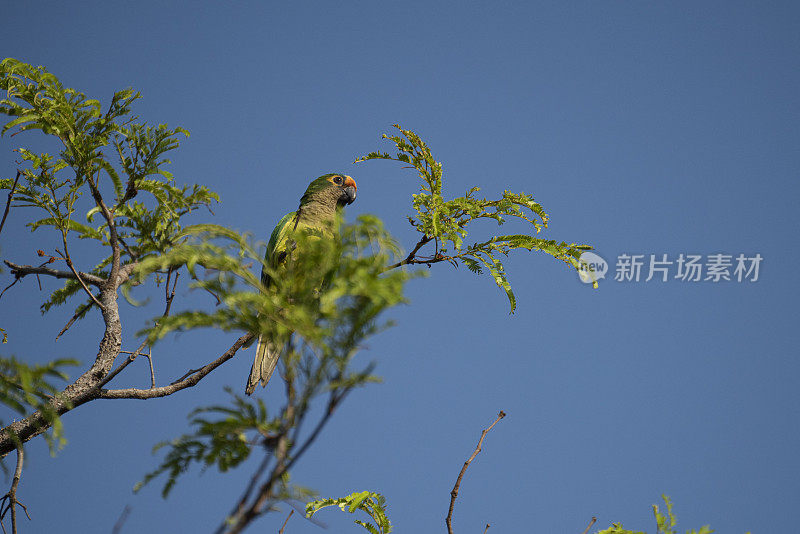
(85, 232)
(446, 223)
(373, 504)
(220, 442)
(28, 117)
(27, 388)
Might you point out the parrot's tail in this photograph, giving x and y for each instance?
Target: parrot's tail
(267, 355)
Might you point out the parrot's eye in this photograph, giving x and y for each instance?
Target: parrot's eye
(337, 180)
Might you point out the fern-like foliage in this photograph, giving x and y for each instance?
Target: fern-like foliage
(222, 438)
(327, 300)
(353, 265)
(106, 158)
(25, 388)
(665, 524)
(374, 504)
(445, 222)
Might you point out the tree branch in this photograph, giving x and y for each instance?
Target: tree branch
(125, 272)
(112, 231)
(80, 311)
(9, 501)
(84, 389)
(149, 357)
(134, 354)
(20, 271)
(88, 386)
(68, 259)
(240, 506)
(10, 198)
(287, 520)
(121, 521)
(412, 255)
(243, 516)
(590, 525)
(131, 357)
(454, 492)
(144, 394)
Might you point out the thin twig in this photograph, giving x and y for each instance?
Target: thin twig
(282, 465)
(410, 258)
(454, 492)
(20, 271)
(121, 521)
(169, 296)
(113, 241)
(149, 357)
(110, 376)
(287, 520)
(240, 506)
(189, 381)
(72, 268)
(9, 501)
(8, 202)
(590, 525)
(131, 253)
(82, 310)
(166, 286)
(487, 528)
(189, 373)
(8, 287)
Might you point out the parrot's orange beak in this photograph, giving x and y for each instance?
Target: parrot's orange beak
(350, 189)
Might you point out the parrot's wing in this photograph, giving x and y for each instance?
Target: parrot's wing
(277, 244)
(267, 352)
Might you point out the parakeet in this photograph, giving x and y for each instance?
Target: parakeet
(317, 211)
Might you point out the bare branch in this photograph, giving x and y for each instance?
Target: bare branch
(9, 501)
(130, 252)
(9, 286)
(169, 296)
(83, 309)
(149, 357)
(287, 520)
(121, 521)
(125, 272)
(88, 387)
(112, 231)
(10, 198)
(487, 528)
(280, 452)
(590, 525)
(454, 492)
(283, 462)
(20, 271)
(144, 394)
(240, 506)
(139, 350)
(412, 255)
(77, 276)
(84, 389)
(188, 373)
(110, 376)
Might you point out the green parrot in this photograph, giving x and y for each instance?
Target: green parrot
(317, 211)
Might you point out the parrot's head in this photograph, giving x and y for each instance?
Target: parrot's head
(334, 189)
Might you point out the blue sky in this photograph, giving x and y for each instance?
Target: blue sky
(642, 127)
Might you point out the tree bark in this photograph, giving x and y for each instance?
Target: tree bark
(83, 389)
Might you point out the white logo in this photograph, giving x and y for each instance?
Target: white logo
(593, 268)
